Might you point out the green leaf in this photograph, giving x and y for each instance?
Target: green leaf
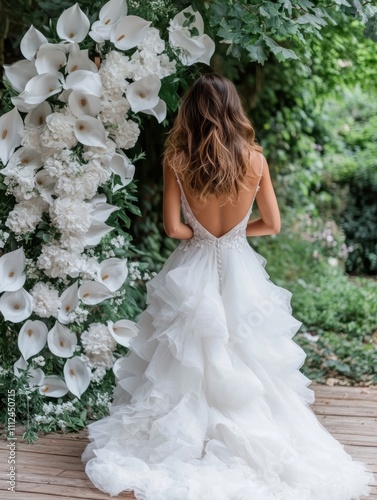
(257, 53)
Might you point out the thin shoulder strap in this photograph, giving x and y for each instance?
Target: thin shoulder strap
(260, 177)
(261, 168)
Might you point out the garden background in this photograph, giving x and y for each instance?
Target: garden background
(307, 75)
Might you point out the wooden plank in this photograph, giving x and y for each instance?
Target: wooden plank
(344, 410)
(68, 491)
(352, 403)
(17, 495)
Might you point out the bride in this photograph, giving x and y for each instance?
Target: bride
(210, 402)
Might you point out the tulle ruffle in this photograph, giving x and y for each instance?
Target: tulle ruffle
(210, 402)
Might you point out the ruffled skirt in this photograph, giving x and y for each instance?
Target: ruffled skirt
(210, 402)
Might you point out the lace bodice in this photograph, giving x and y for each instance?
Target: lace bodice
(234, 238)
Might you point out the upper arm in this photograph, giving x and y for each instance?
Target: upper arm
(171, 201)
(266, 200)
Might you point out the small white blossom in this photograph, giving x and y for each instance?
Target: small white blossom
(39, 361)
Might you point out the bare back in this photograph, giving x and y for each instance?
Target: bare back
(218, 217)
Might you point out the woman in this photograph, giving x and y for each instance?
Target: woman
(210, 403)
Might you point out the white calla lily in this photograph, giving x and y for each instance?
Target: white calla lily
(45, 185)
(37, 116)
(19, 365)
(110, 14)
(123, 331)
(73, 25)
(16, 306)
(192, 49)
(69, 301)
(53, 386)
(11, 126)
(159, 111)
(101, 209)
(61, 341)
(19, 73)
(32, 338)
(112, 273)
(31, 42)
(40, 87)
(128, 32)
(99, 32)
(35, 377)
(12, 265)
(180, 19)
(112, 11)
(84, 81)
(77, 375)
(50, 58)
(95, 234)
(83, 104)
(90, 131)
(143, 94)
(25, 157)
(91, 293)
(122, 166)
(79, 60)
(19, 103)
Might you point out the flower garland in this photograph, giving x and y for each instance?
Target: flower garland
(68, 183)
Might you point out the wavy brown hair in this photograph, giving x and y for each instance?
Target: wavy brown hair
(211, 143)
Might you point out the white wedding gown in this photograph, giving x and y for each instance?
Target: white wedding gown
(210, 403)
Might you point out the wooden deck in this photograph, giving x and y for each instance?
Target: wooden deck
(51, 467)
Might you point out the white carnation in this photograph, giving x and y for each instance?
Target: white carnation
(58, 133)
(46, 300)
(126, 134)
(26, 215)
(71, 216)
(99, 345)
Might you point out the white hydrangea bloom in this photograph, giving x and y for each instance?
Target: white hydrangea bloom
(71, 216)
(126, 134)
(152, 41)
(99, 345)
(58, 133)
(26, 215)
(63, 164)
(31, 137)
(46, 300)
(114, 72)
(147, 62)
(113, 111)
(57, 262)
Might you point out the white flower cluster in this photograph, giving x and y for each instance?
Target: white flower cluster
(99, 345)
(3, 238)
(60, 157)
